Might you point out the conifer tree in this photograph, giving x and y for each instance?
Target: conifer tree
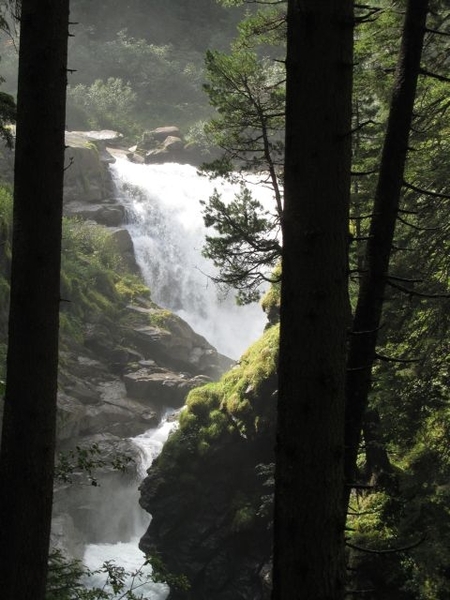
(309, 479)
(28, 436)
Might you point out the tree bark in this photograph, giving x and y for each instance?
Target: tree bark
(374, 277)
(309, 514)
(28, 439)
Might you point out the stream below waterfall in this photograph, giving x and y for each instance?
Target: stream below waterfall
(125, 553)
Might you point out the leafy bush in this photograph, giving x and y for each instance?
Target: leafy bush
(106, 104)
(69, 579)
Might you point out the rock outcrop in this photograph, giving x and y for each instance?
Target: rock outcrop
(211, 507)
(123, 374)
(86, 178)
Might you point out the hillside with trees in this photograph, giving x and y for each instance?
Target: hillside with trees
(134, 66)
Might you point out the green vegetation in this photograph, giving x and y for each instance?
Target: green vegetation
(95, 282)
(146, 85)
(235, 406)
(87, 461)
(135, 68)
(133, 76)
(69, 579)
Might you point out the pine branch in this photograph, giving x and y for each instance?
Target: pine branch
(419, 190)
(415, 293)
(427, 73)
(368, 331)
(386, 550)
(437, 32)
(361, 217)
(362, 173)
(404, 279)
(416, 227)
(384, 358)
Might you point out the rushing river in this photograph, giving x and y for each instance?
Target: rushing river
(125, 552)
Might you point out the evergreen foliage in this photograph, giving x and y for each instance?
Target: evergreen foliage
(246, 87)
(247, 247)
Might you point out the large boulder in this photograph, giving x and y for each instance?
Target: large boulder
(111, 214)
(159, 135)
(104, 407)
(218, 465)
(176, 344)
(86, 176)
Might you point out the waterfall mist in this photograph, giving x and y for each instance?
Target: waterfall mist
(166, 225)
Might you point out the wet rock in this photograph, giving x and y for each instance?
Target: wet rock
(160, 134)
(86, 176)
(176, 344)
(111, 215)
(161, 388)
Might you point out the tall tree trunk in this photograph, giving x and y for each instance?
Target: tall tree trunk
(28, 439)
(387, 198)
(309, 516)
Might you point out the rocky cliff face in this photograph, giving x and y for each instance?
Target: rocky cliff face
(136, 353)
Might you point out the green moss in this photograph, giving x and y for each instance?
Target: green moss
(232, 406)
(160, 317)
(129, 287)
(201, 401)
(95, 282)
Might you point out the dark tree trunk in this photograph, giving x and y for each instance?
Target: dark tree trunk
(377, 459)
(387, 198)
(309, 513)
(28, 440)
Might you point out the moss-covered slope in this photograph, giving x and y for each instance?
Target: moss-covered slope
(209, 490)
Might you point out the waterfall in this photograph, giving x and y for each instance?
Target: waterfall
(167, 229)
(166, 226)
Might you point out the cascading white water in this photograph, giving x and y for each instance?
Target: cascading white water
(126, 554)
(166, 225)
